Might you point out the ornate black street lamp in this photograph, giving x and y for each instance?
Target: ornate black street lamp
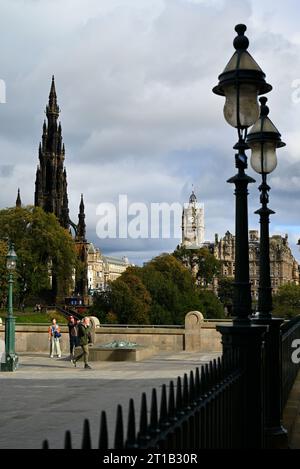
(263, 139)
(11, 359)
(241, 83)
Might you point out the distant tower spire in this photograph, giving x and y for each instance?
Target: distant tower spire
(193, 198)
(51, 179)
(81, 277)
(18, 201)
(81, 227)
(52, 108)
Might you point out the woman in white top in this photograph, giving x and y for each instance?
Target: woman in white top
(54, 338)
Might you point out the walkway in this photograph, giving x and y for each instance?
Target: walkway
(45, 397)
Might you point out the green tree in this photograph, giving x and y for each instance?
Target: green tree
(201, 262)
(127, 301)
(172, 287)
(42, 247)
(286, 302)
(163, 291)
(226, 292)
(101, 306)
(210, 305)
(130, 300)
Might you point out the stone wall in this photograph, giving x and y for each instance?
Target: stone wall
(34, 338)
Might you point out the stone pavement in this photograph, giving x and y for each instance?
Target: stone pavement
(45, 397)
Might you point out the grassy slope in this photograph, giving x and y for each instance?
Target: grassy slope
(32, 317)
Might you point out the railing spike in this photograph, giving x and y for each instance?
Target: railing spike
(207, 377)
(197, 383)
(143, 419)
(219, 365)
(163, 415)
(86, 439)
(171, 403)
(203, 380)
(215, 370)
(192, 394)
(68, 440)
(131, 434)
(154, 412)
(103, 435)
(179, 403)
(143, 435)
(185, 391)
(119, 432)
(45, 444)
(211, 373)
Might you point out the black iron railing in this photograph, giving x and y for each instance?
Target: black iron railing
(290, 331)
(199, 411)
(204, 410)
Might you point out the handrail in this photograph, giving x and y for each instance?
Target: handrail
(67, 313)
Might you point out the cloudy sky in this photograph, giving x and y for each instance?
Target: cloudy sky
(134, 81)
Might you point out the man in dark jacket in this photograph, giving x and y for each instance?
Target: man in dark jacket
(73, 335)
(85, 338)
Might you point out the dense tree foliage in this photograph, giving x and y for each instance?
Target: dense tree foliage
(130, 300)
(210, 305)
(201, 262)
(287, 301)
(42, 247)
(225, 292)
(163, 291)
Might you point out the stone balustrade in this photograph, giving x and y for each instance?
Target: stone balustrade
(198, 335)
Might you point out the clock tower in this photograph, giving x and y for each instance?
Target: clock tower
(193, 224)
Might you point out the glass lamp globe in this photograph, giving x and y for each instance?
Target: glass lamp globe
(263, 157)
(263, 140)
(241, 108)
(241, 82)
(11, 259)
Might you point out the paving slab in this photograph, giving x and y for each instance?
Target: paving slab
(45, 397)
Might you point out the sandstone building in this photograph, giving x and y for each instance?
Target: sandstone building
(284, 267)
(103, 269)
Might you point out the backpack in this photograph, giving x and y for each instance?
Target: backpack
(56, 334)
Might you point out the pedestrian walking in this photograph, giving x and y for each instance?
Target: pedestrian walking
(54, 339)
(85, 339)
(73, 335)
